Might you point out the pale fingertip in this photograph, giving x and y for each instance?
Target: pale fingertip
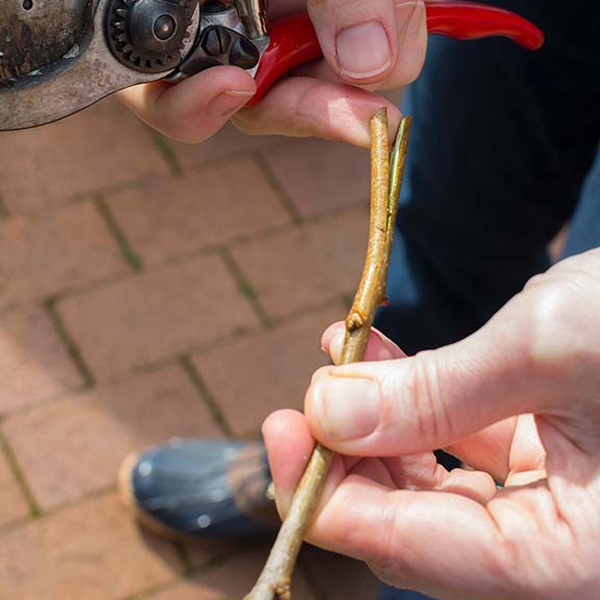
(380, 347)
(332, 341)
(289, 445)
(330, 332)
(336, 345)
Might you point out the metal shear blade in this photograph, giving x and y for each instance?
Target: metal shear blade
(86, 74)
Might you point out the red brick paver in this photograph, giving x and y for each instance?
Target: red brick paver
(56, 252)
(34, 363)
(13, 505)
(260, 373)
(101, 148)
(92, 551)
(172, 216)
(307, 267)
(227, 143)
(102, 354)
(81, 440)
(151, 317)
(321, 176)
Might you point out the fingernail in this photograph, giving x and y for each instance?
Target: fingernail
(363, 50)
(347, 407)
(229, 102)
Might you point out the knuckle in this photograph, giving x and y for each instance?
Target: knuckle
(433, 419)
(557, 322)
(551, 318)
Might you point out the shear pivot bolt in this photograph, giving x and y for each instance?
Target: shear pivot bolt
(165, 27)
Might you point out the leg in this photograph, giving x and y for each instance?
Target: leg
(585, 226)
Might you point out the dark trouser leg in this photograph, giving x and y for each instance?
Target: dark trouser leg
(585, 227)
(502, 141)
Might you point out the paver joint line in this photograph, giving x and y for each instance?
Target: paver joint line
(130, 256)
(165, 149)
(72, 348)
(278, 187)
(19, 475)
(245, 287)
(206, 395)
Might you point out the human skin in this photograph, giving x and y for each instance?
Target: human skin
(518, 401)
(379, 44)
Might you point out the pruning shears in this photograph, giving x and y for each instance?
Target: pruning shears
(115, 44)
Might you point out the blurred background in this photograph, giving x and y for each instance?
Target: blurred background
(150, 289)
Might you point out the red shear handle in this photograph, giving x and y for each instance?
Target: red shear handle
(469, 21)
(294, 41)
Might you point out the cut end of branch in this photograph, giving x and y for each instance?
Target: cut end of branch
(380, 114)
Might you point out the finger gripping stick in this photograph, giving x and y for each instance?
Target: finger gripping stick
(294, 41)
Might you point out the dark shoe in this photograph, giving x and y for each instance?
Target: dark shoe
(208, 488)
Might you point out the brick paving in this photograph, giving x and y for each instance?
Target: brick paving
(54, 252)
(34, 361)
(312, 265)
(335, 171)
(13, 505)
(150, 289)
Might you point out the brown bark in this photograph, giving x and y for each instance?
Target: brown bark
(386, 176)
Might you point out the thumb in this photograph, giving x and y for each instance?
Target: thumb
(433, 399)
(194, 109)
(369, 42)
